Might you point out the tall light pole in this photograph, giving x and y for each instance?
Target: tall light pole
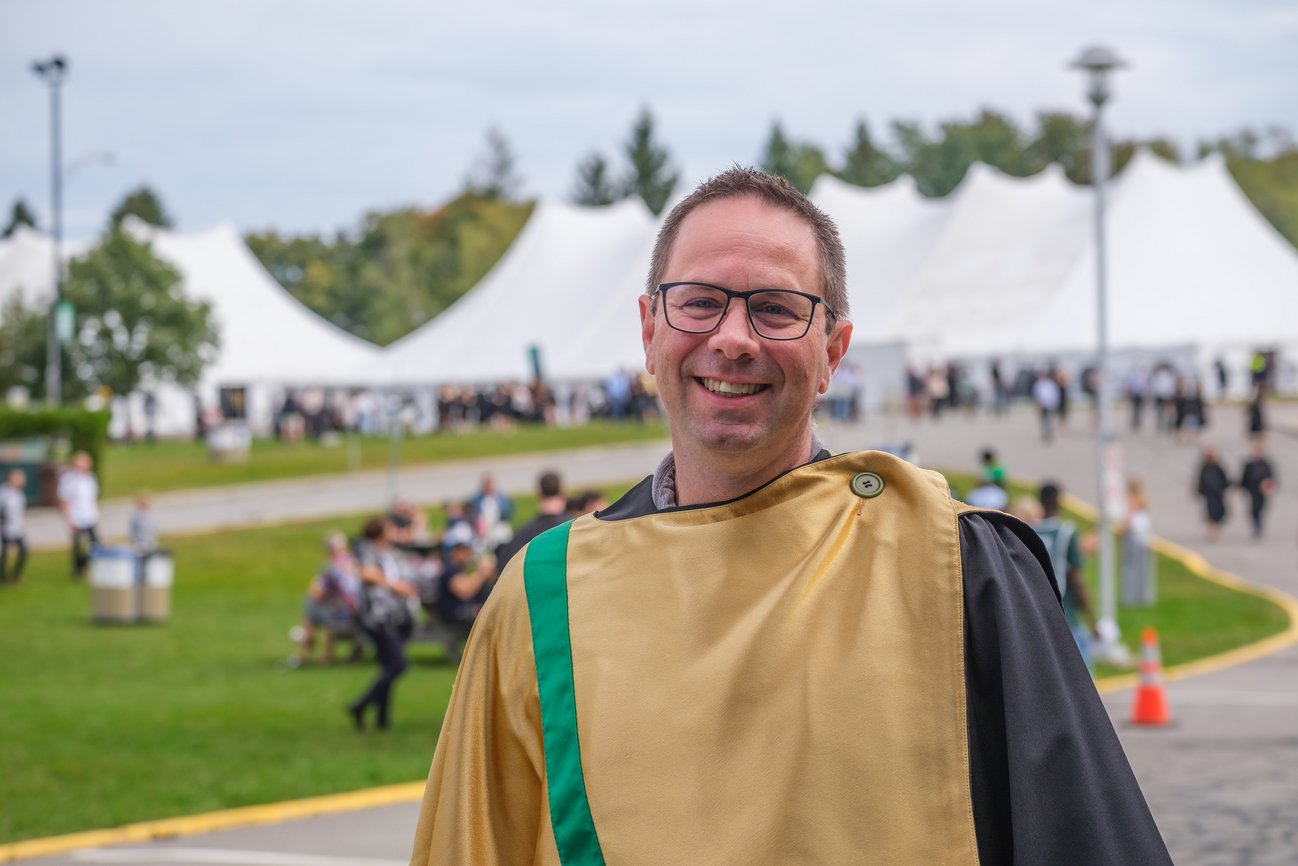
(52, 71)
(1098, 62)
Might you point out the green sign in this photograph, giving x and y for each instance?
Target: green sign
(64, 318)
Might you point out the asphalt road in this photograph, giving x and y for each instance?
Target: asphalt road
(1222, 781)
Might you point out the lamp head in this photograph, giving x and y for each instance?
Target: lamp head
(1098, 61)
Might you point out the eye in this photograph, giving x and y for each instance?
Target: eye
(773, 309)
(701, 303)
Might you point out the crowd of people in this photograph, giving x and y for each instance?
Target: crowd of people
(400, 580)
(1174, 399)
(314, 413)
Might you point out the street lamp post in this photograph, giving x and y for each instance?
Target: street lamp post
(1098, 62)
(52, 71)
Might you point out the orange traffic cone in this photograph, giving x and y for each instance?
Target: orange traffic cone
(1151, 701)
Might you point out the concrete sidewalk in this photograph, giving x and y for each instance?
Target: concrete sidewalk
(237, 506)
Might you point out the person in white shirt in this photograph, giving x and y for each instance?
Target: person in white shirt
(1045, 393)
(79, 502)
(13, 508)
(988, 494)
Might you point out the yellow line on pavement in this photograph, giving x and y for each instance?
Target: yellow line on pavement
(228, 819)
(1200, 567)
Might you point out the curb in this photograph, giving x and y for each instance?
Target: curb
(1199, 566)
(248, 816)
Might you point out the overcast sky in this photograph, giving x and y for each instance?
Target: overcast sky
(303, 115)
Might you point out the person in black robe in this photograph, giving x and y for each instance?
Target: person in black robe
(1212, 488)
(1258, 480)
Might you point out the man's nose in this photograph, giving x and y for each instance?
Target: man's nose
(734, 336)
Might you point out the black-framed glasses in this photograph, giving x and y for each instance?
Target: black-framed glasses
(775, 314)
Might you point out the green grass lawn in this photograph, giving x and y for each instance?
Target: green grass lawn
(105, 725)
(178, 465)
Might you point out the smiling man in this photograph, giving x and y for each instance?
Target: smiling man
(765, 654)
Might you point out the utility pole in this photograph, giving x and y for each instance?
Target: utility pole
(52, 72)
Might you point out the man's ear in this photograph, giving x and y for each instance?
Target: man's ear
(647, 330)
(835, 348)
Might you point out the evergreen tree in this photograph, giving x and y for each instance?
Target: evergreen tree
(865, 164)
(143, 204)
(777, 157)
(798, 163)
(1062, 138)
(495, 176)
(651, 175)
(594, 184)
(19, 215)
(133, 322)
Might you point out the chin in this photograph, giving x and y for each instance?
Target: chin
(733, 440)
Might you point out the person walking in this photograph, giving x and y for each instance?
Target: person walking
(1256, 416)
(79, 501)
(1211, 488)
(1046, 394)
(384, 616)
(1258, 480)
(13, 530)
(1138, 578)
(1135, 385)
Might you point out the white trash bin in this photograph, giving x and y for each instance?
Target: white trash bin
(114, 592)
(158, 573)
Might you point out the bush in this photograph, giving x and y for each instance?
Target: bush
(85, 429)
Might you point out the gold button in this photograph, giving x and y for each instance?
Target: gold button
(867, 485)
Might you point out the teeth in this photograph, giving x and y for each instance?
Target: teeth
(716, 386)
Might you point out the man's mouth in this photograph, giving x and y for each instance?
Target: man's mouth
(731, 389)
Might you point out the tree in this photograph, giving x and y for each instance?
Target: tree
(864, 163)
(494, 175)
(939, 164)
(23, 335)
(1061, 138)
(798, 163)
(651, 175)
(594, 184)
(133, 322)
(19, 215)
(143, 204)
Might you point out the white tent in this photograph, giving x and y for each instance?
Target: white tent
(887, 233)
(557, 279)
(1006, 266)
(1190, 260)
(267, 336)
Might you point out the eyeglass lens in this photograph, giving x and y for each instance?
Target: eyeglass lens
(775, 314)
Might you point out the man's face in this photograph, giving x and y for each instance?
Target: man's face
(742, 244)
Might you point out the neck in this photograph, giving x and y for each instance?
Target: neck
(707, 478)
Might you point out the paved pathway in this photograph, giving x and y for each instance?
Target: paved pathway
(245, 505)
(1222, 783)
